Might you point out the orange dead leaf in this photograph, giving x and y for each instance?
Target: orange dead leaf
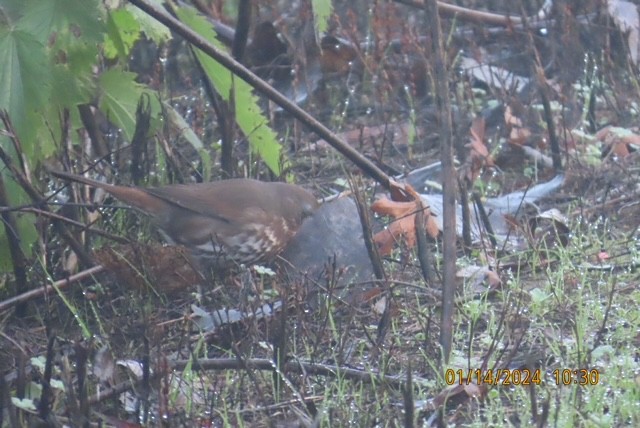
(404, 223)
(620, 149)
(618, 141)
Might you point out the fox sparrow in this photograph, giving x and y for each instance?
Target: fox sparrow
(222, 222)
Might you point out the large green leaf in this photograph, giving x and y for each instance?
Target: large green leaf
(26, 79)
(262, 139)
(124, 27)
(71, 89)
(31, 61)
(42, 17)
(24, 75)
(123, 30)
(119, 95)
(153, 29)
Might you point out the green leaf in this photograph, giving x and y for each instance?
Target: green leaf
(11, 11)
(79, 56)
(39, 362)
(263, 140)
(251, 121)
(24, 75)
(25, 224)
(321, 15)
(41, 18)
(123, 30)
(58, 384)
(182, 127)
(71, 89)
(119, 98)
(221, 80)
(24, 404)
(153, 29)
(31, 60)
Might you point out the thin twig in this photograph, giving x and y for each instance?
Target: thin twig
(41, 291)
(443, 103)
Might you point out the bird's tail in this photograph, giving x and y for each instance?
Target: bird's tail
(80, 179)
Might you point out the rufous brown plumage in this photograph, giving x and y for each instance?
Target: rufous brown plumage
(236, 221)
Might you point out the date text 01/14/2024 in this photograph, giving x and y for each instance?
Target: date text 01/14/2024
(524, 377)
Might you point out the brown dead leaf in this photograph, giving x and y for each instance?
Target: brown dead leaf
(369, 295)
(336, 55)
(510, 119)
(479, 151)
(480, 278)
(479, 156)
(404, 223)
(518, 134)
(459, 393)
(401, 192)
(618, 141)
